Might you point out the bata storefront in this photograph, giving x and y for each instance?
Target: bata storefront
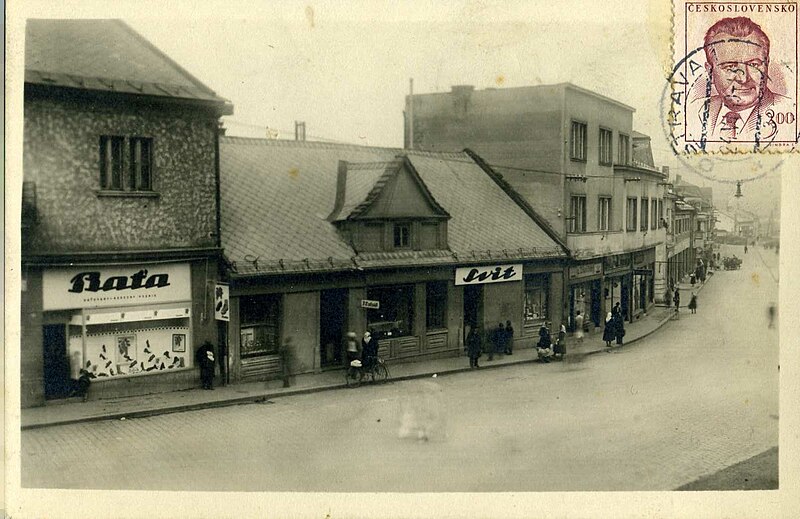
(585, 293)
(120, 322)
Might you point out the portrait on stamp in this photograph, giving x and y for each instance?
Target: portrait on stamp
(739, 77)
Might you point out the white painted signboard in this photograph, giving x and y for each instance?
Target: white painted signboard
(98, 287)
(488, 274)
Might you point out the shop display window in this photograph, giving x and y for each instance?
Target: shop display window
(536, 298)
(125, 343)
(395, 317)
(259, 328)
(436, 305)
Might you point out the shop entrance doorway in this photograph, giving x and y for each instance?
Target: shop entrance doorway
(57, 383)
(473, 309)
(332, 324)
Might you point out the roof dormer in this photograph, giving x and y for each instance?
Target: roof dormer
(385, 206)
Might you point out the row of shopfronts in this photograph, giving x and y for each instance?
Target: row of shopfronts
(597, 286)
(125, 323)
(415, 314)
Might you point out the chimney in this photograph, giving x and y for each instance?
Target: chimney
(341, 186)
(300, 130)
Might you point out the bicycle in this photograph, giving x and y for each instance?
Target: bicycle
(355, 374)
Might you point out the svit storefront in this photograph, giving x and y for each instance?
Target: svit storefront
(415, 313)
(132, 327)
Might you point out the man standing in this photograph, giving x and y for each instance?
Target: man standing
(205, 359)
(473, 347)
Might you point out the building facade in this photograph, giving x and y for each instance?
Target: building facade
(324, 239)
(573, 155)
(120, 236)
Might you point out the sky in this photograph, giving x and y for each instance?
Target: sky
(344, 67)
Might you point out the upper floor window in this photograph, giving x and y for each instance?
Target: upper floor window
(653, 214)
(630, 217)
(126, 171)
(605, 146)
(577, 214)
(623, 149)
(604, 213)
(578, 141)
(645, 209)
(402, 235)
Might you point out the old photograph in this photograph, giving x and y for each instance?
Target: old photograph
(365, 259)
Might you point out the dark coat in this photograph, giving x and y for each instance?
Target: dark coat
(693, 303)
(619, 327)
(473, 344)
(369, 349)
(610, 331)
(544, 338)
(202, 358)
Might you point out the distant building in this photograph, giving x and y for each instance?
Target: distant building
(322, 239)
(574, 157)
(120, 230)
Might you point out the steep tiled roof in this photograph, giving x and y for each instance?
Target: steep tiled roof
(276, 196)
(364, 182)
(105, 55)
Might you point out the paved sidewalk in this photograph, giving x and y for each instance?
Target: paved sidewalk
(177, 401)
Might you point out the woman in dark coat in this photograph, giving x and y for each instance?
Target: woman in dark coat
(473, 347)
(608, 332)
(693, 304)
(205, 359)
(619, 327)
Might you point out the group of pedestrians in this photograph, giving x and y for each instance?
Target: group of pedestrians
(614, 326)
(501, 342)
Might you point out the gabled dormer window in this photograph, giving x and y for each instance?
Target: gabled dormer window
(402, 235)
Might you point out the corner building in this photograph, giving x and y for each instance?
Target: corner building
(120, 233)
(575, 158)
(416, 247)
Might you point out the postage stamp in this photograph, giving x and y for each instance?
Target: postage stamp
(734, 83)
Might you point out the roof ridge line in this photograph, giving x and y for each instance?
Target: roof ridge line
(161, 54)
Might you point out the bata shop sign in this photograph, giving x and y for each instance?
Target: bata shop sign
(97, 287)
(490, 274)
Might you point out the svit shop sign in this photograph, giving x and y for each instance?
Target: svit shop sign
(488, 274)
(97, 287)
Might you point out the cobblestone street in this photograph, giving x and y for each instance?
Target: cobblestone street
(695, 397)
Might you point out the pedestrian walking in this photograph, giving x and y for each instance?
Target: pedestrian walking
(578, 328)
(693, 303)
(676, 298)
(745, 248)
(509, 338)
(473, 347)
(619, 327)
(560, 347)
(608, 332)
(205, 359)
(351, 348)
(499, 340)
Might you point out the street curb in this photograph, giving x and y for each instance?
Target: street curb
(251, 399)
(260, 398)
